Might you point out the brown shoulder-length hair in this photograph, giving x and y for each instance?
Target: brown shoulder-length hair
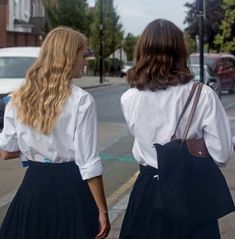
(161, 58)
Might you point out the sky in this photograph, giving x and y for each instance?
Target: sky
(136, 14)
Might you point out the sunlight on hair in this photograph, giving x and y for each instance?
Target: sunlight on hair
(41, 98)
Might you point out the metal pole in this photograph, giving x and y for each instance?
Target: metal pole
(101, 63)
(201, 38)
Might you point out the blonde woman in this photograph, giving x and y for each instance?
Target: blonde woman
(53, 123)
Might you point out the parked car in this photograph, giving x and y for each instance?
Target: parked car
(125, 68)
(14, 62)
(223, 64)
(210, 77)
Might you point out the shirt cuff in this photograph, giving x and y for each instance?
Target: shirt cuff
(8, 144)
(91, 169)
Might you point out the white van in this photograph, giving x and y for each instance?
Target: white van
(14, 62)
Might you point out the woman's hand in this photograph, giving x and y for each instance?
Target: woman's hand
(97, 189)
(104, 225)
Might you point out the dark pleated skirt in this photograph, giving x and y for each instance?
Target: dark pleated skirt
(53, 202)
(145, 217)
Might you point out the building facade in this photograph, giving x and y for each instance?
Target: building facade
(21, 22)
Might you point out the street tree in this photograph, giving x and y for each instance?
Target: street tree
(190, 43)
(72, 13)
(112, 29)
(129, 45)
(214, 14)
(226, 38)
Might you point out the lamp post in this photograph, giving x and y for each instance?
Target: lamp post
(200, 9)
(101, 61)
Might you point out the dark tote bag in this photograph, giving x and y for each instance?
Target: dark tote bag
(193, 187)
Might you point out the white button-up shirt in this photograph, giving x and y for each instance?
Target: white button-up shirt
(74, 137)
(152, 118)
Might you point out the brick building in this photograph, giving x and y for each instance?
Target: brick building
(21, 22)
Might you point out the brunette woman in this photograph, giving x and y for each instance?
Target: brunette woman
(160, 83)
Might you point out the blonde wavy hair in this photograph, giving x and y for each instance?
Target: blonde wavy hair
(41, 98)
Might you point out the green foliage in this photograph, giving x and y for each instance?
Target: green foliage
(112, 66)
(190, 43)
(112, 31)
(226, 38)
(129, 46)
(214, 15)
(72, 13)
(91, 67)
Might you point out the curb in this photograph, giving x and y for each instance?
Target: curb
(232, 118)
(95, 86)
(228, 107)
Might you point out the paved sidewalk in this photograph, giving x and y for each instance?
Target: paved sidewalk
(117, 212)
(227, 224)
(87, 82)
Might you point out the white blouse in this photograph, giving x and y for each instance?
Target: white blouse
(74, 137)
(152, 118)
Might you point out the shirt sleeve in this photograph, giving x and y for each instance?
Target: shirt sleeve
(8, 136)
(126, 108)
(85, 140)
(217, 131)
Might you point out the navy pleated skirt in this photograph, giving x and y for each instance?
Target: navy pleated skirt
(53, 202)
(145, 217)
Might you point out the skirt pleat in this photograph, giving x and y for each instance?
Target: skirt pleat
(145, 217)
(53, 202)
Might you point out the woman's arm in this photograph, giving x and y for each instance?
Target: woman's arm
(97, 190)
(9, 155)
(9, 147)
(216, 128)
(88, 160)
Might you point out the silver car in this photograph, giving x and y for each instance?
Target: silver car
(210, 77)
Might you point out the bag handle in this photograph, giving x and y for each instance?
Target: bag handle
(173, 137)
(199, 89)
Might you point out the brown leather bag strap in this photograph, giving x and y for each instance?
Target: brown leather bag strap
(199, 89)
(185, 108)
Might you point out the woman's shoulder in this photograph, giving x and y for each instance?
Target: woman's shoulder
(80, 93)
(177, 91)
(206, 90)
(208, 96)
(80, 97)
(129, 93)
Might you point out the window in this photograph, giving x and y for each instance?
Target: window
(227, 63)
(15, 67)
(34, 8)
(16, 8)
(231, 63)
(42, 11)
(38, 9)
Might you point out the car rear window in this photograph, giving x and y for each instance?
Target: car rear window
(207, 60)
(15, 67)
(195, 69)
